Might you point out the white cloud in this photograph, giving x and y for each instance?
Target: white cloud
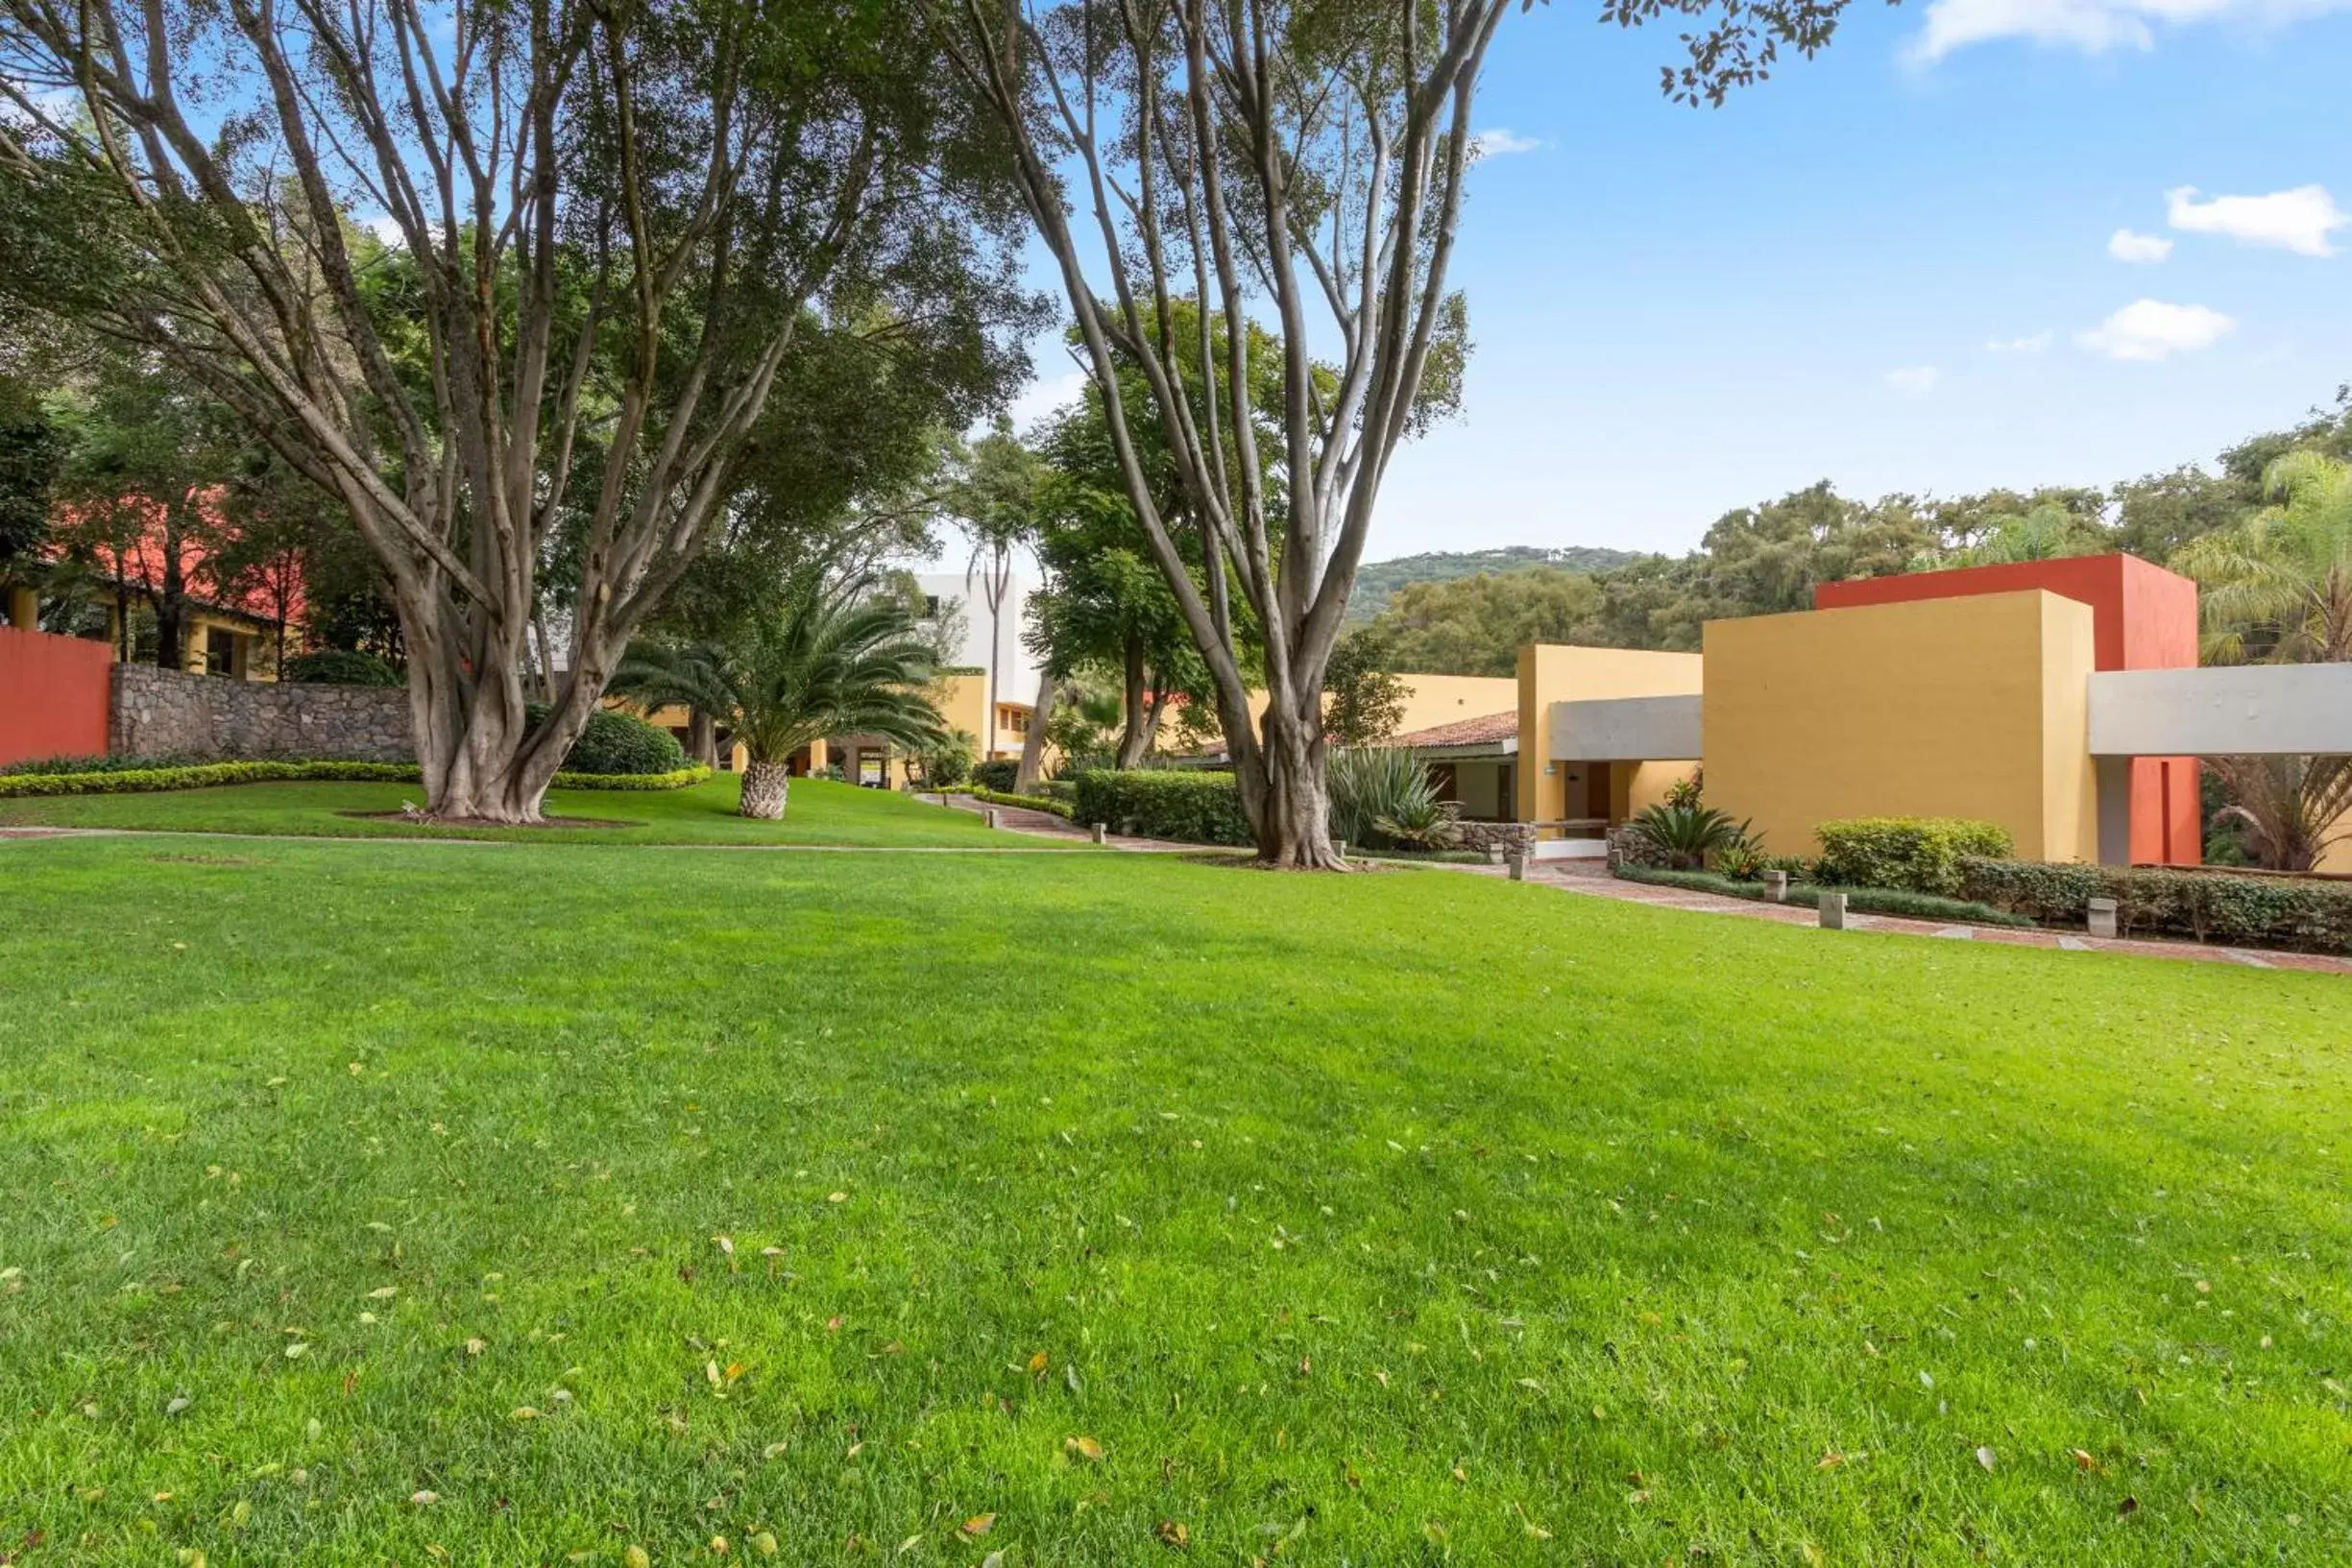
(2127, 246)
(2150, 329)
(1914, 380)
(1045, 395)
(1498, 141)
(2298, 220)
(2091, 26)
(2033, 343)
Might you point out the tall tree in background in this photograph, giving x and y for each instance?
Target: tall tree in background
(1307, 160)
(609, 223)
(2277, 588)
(995, 501)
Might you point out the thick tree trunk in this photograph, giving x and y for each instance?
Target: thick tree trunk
(1032, 744)
(480, 760)
(702, 738)
(1284, 790)
(767, 789)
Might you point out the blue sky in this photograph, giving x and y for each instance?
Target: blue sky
(1681, 311)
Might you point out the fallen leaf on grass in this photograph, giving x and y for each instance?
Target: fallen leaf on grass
(425, 1500)
(1986, 1458)
(1037, 1364)
(1085, 1448)
(2084, 1461)
(2128, 1507)
(1829, 1460)
(978, 1525)
(1173, 1533)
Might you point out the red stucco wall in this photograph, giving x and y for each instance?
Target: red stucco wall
(53, 695)
(2142, 616)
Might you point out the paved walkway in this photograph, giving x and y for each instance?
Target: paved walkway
(1019, 819)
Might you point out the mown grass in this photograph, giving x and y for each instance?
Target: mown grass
(1403, 1218)
(820, 813)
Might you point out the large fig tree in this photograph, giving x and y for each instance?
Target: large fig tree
(510, 280)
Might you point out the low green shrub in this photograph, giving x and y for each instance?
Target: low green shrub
(1026, 803)
(1189, 808)
(998, 773)
(2152, 901)
(212, 775)
(1064, 790)
(342, 666)
(617, 743)
(1915, 855)
(93, 764)
(1873, 900)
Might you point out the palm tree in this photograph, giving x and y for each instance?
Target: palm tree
(833, 660)
(2277, 589)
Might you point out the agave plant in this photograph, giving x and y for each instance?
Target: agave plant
(1687, 835)
(1381, 794)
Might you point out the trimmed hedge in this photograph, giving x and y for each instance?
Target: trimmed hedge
(615, 742)
(209, 775)
(1026, 803)
(94, 764)
(1912, 855)
(1869, 901)
(2256, 911)
(998, 773)
(1155, 803)
(342, 666)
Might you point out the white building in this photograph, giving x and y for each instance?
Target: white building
(992, 645)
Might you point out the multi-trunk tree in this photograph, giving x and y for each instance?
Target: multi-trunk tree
(1305, 161)
(490, 275)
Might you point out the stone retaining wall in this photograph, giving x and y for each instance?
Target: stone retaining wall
(163, 713)
(1496, 837)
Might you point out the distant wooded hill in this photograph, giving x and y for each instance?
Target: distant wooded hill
(1376, 580)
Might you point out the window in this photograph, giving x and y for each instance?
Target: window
(220, 651)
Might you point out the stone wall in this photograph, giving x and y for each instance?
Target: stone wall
(163, 713)
(1496, 837)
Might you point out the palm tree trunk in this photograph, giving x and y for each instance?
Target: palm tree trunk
(767, 787)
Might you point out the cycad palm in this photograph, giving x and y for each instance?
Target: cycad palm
(832, 661)
(2277, 589)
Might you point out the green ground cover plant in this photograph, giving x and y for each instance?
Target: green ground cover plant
(823, 812)
(570, 1202)
(1878, 901)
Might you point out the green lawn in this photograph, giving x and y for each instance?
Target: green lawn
(820, 813)
(1395, 1219)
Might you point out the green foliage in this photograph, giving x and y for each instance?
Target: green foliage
(1186, 806)
(997, 773)
(948, 763)
(2207, 905)
(616, 744)
(1027, 802)
(1475, 625)
(31, 453)
(1366, 702)
(1685, 835)
(1381, 798)
(2279, 584)
(833, 658)
(1688, 791)
(1876, 901)
(1918, 854)
(1745, 860)
(342, 666)
(208, 775)
(1379, 581)
(93, 764)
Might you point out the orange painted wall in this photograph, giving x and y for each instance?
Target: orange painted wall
(2142, 618)
(53, 695)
